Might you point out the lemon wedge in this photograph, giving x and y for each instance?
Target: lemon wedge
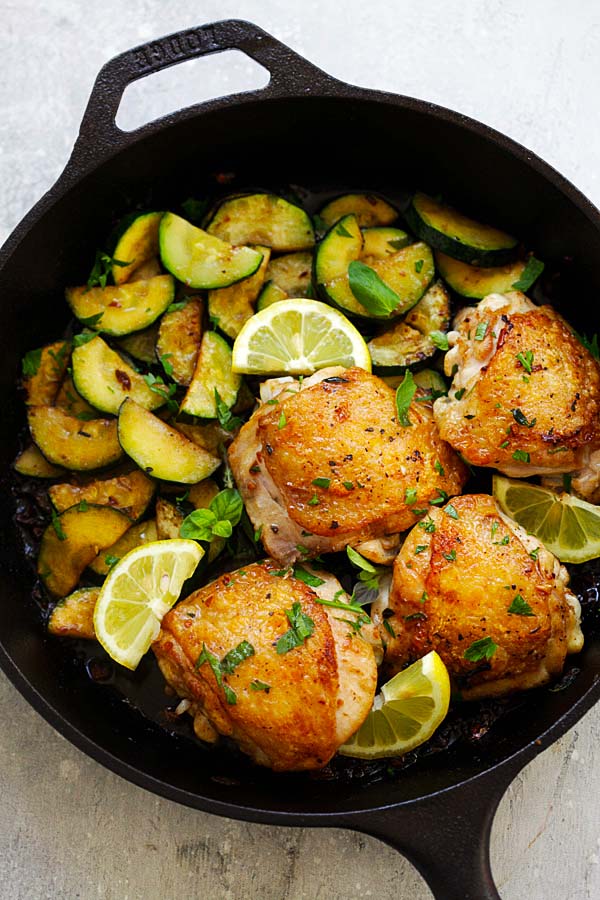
(139, 590)
(406, 713)
(567, 526)
(298, 337)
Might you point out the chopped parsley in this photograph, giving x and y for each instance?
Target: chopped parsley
(450, 556)
(389, 627)
(80, 339)
(282, 421)
(175, 307)
(307, 577)
(439, 467)
(590, 344)
(57, 525)
(419, 265)
(410, 496)
(226, 418)
(532, 271)
(349, 485)
(451, 511)
(314, 500)
(301, 628)
(428, 525)
(404, 396)
(258, 534)
(342, 231)
(321, 482)
(102, 268)
(479, 650)
(520, 607)
(258, 685)
(441, 498)
(219, 520)
(111, 560)
(166, 391)
(481, 331)
(526, 360)
(91, 321)
(226, 666)
(458, 395)
(534, 554)
(521, 418)
(521, 456)
(166, 363)
(439, 340)
(31, 362)
(420, 548)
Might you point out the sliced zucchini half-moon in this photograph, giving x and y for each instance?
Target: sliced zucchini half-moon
(73, 403)
(142, 344)
(33, 463)
(136, 245)
(230, 308)
(73, 616)
(453, 233)
(476, 282)
(413, 340)
(264, 219)
(104, 379)
(70, 442)
(369, 209)
(341, 245)
(130, 493)
(142, 533)
(121, 309)
(46, 373)
(160, 450)
(271, 293)
(178, 340)
(291, 273)
(383, 241)
(73, 540)
(200, 259)
(212, 373)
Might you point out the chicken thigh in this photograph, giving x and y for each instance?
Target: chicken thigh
(262, 661)
(495, 604)
(329, 465)
(525, 397)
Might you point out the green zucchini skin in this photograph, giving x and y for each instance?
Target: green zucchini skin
(408, 342)
(270, 293)
(449, 231)
(104, 379)
(202, 260)
(122, 309)
(137, 242)
(476, 282)
(213, 371)
(263, 219)
(370, 210)
(381, 241)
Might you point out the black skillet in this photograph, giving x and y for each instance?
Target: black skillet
(307, 128)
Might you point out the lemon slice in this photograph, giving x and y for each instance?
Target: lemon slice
(567, 526)
(139, 590)
(298, 337)
(406, 712)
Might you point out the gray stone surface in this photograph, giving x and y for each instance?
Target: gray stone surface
(70, 829)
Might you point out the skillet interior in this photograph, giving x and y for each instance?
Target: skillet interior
(373, 141)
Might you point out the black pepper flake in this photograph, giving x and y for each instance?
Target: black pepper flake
(348, 457)
(370, 428)
(334, 524)
(275, 529)
(269, 449)
(387, 613)
(335, 379)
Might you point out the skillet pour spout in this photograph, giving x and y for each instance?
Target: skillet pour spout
(438, 812)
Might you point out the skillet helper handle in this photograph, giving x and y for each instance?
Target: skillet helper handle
(446, 836)
(290, 73)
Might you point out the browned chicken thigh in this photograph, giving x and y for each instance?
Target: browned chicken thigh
(330, 465)
(473, 585)
(525, 397)
(289, 702)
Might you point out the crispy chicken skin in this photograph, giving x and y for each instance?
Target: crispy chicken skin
(319, 692)
(496, 407)
(453, 584)
(340, 431)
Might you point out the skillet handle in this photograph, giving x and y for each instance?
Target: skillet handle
(290, 73)
(447, 835)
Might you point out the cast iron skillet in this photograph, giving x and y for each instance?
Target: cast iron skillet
(308, 128)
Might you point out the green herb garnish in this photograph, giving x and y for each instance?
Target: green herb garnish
(195, 209)
(57, 525)
(370, 290)
(481, 330)
(484, 648)
(404, 395)
(520, 607)
(302, 626)
(526, 360)
(439, 339)
(257, 685)
(521, 418)
(219, 520)
(307, 577)
(102, 268)
(321, 482)
(31, 362)
(521, 456)
(226, 418)
(532, 271)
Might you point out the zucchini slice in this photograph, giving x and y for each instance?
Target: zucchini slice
(104, 379)
(74, 615)
(43, 384)
(476, 282)
(149, 269)
(231, 307)
(271, 293)
(73, 540)
(142, 533)
(263, 219)
(200, 259)
(73, 403)
(136, 245)
(168, 520)
(130, 493)
(208, 435)
(450, 231)
(160, 450)
(342, 244)
(178, 340)
(212, 372)
(67, 441)
(381, 242)
(142, 344)
(409, 341)
(32, 463)
(369, 209)
(291, 273)
(124, 308)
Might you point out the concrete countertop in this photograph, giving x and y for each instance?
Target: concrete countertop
(71, 829)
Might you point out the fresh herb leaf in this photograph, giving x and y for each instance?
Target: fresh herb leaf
(535, 553)
(503, 542)
(258, 534)
(481, 330)
(342, 231)
(428, 525)
(302, 626)
(222, 515)
(526, 360)
(520, 607)
(57, 525)
(504, 445)
(83, 506)
(370, 290)
(590, 344)
(166, 364)
(420, 548)
(91, 321)
(458, 395)
(307, 577)
(80, 339)
(111, 560)
(532, 271)
(415, 616)
(450, 556)
(257, 685)
(440, 499)
(484, 648)
(233, 658)
(404, 395)
(359, 561)
(314, 500)
(226, 418)
(195, 209)
(175, 307)
(397, 243)
(419, 266)
(102, 268)
(439, 467)
(282, 421)
(321, 482)
(31, 362)
(439, 339)
(450, 511)
(521, 418)
(349, 485)
(521, 456)
(389, 628)
(166, 391)
(410, 496)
